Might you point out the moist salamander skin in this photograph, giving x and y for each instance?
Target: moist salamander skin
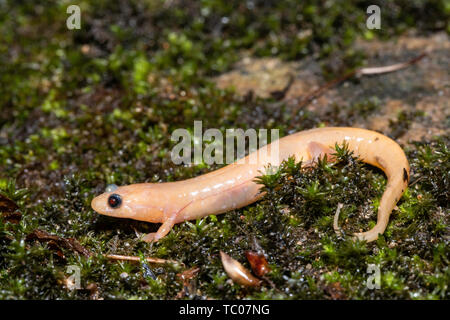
(233, 186)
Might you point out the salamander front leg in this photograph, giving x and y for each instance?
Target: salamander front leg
(163, 230)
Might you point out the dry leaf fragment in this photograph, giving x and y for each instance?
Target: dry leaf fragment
(237, 272)
(55, 242)
(9, 210)
(258, 262)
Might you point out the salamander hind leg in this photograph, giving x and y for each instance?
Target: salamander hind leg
(317, 150)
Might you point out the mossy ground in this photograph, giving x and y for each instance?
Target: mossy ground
(85, 108)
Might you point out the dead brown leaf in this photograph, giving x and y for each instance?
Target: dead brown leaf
(258, 263)
(9, 210)
(187, 277)
(335, 291)
(57, 242)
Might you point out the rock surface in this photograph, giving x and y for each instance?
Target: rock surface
(421, 90)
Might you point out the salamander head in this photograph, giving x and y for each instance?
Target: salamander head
(136, 201)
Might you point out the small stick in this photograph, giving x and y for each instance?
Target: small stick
(318, 92)
(137, 259)
(391, 68)
(336, 219)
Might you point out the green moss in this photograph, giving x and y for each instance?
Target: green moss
(83, 109)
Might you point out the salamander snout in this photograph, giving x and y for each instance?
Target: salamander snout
(140, 201)
(112, 203)
(121, 202)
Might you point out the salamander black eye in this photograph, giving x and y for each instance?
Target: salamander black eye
(114, 200)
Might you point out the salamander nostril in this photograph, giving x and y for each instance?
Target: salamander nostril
(114, 200)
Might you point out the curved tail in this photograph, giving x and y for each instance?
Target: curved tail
(389, 157)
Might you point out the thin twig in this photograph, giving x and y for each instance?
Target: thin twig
(415, 181)
(391, 68)
(336, 219)
(318, 92)
(137, 259)
(280, 94)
